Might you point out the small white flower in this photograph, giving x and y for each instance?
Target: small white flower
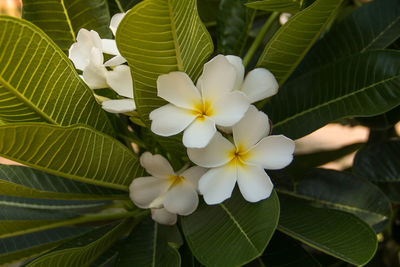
(258, 84)
(162, 216)
(110, 46)
(176, 193)
(197, 111)
(244, 161)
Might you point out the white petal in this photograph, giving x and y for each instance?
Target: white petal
(252, 128)
(95, 76)
(170, 120)
(238, 64)
(193, 175)
(229, 108)
(217, 184)
(115, 61)
(96, 56)
(115, 21)
(272, 152)
(119, 105)
(95, 39)
(181, 199)
(218, 77)
(120, 80)
(217, 153)
(254, 183)
(162, 216)
(199, 133)
(156, 165)
(79, 55)
(144, 190)
(88, 39)
(109, 46)
(259, 84)
(178, 89)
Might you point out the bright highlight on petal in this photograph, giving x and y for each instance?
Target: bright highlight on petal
(165, 192)
(259, 84)
(115, 21)
(120, 80)
(119, 105)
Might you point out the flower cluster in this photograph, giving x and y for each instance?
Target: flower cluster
(87, 56)
(221, 99)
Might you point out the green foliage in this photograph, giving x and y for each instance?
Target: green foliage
(367, 86)
(84, 250)
(150, 244)
(290, 6)
(61, 20)
(292, 41)
(26, 182)
(334, 232)
(56, 95)
(76, 152)
(234, 21)
(215, 232)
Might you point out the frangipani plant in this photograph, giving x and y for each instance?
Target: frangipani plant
(135, 120)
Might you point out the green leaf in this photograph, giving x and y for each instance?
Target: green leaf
(77, 152)
(214, 233)
(343, 191)
(358, 32)
(362, 85)
(208, 11)
(117, 6)
(175, 41)
(25, 246)
(39, 83)
(234, 22)
(26, 182)
(293, 40)
(334, 232)
(61, 20)
(290, 6)
(392, 191)
(284, 251)
(379, 162)
(84, 250)
(149, 245)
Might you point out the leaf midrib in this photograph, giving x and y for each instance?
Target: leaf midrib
(340, 98)
(71, 29)
(175, 37)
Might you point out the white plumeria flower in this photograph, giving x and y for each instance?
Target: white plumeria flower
(110, 45)
(176, 193)
(162, 216)
(258, 84)
(197, 111)
(244, 161)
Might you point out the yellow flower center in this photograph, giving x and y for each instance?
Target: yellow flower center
(175, 179)
(203, 109)
(238, 156)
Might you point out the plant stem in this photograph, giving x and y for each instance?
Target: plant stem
(254, 46)
(79, 220)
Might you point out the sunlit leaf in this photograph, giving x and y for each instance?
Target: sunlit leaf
(26, 182)
(61, 20)
(39, 83)
(76, 152)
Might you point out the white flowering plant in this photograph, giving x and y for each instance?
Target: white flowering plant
(161, 132)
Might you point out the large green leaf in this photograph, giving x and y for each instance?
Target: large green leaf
(293, 40)
(61, 20)
(25, 246)
(234, 22)
(359, 32)
(84, 250)
(362, 85)
(290, 6)
(26, 182)
(117, 6)
(214, 233)
(379, 162)
(77, 152)
(334, 232)
(39, 83)
(158, 37)
(343, 191)
(284, 251)
(149, 245)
